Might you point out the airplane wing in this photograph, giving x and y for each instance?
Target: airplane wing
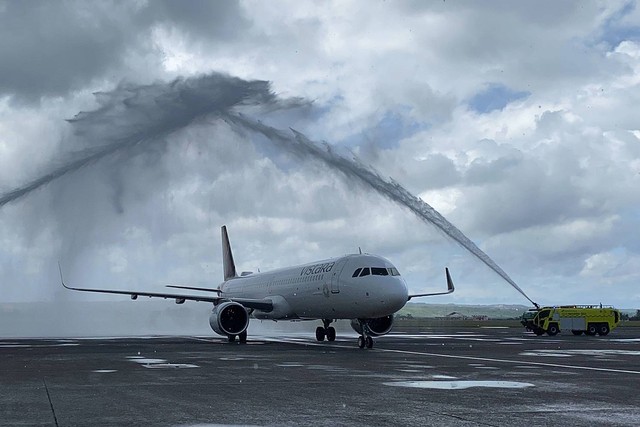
(258, 304)
(450, 288)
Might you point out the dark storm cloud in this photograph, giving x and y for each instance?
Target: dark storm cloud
(51, 48)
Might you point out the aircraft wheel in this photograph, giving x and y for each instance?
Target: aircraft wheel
(231, 338)
(603, 329)
(369, 342)
(574, 332)
(320, 333)
(361, 341)
(331, 333)
(591, 329)
(243, 337)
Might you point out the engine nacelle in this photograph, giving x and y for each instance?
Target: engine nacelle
(374, 327)
(229, 318)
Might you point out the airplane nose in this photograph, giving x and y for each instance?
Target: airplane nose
(403, 290)
(399, 294)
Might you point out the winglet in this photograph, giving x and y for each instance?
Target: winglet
(450, 288)
(227, 256)
(61, 278)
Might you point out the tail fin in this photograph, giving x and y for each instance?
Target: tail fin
(227, 256)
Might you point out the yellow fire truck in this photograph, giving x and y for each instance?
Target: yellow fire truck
(587, 319)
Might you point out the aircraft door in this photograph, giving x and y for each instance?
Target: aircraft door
(335, 275)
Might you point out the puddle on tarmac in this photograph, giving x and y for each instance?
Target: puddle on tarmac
(458, 385)
(158, 363)
(537, 353)
(15, 345)
(170, 365)
(586, 352)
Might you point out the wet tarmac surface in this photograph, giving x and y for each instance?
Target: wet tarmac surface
(445, 376)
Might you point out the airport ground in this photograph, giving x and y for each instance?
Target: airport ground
(481, 374)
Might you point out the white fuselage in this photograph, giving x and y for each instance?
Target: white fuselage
(325, 289)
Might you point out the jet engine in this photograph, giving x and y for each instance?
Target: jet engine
(229, 318)
(374, 327)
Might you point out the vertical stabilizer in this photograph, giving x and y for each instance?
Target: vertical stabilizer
(227, 257)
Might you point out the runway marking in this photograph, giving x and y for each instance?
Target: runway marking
(55, 419)
(458, 385)
(487, 359)
(449, 356)
(475, 358)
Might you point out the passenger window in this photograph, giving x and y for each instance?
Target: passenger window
(377, 271)
(365, 272)
(355, 273)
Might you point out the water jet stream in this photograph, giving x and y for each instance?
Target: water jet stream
(135, 116)
(301, 145)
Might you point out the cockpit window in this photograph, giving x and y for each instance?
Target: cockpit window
(393, 271)
(378, 271)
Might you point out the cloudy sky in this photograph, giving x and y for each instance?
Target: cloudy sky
(517, 121)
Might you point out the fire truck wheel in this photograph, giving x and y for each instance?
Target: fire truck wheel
(553, 329)
(603, 329)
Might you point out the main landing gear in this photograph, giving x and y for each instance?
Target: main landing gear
(327, 331)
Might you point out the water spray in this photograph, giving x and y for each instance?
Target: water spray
(353, 168)
(133, 116)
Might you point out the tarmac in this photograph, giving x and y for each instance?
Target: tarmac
(436, 376)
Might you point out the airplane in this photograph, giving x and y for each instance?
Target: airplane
(366, 289)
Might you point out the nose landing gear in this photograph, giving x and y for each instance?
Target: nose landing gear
(364, 340)
(327, 331)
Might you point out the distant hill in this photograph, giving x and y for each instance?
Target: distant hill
(498, 311)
